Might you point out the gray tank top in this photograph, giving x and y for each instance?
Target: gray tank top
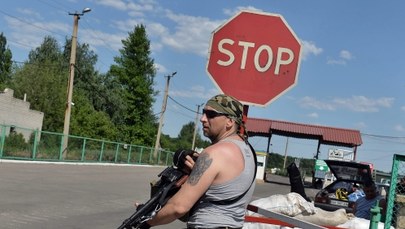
(208, 214)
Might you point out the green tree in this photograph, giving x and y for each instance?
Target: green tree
(184, 139)
(113, 103)
(93, 95)
(5, 62)
(43, 78)
(48, 67)
(168, 143)
(86, 77)
(135, 72)
(86, 121)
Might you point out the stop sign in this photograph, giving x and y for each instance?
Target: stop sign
(254, 57)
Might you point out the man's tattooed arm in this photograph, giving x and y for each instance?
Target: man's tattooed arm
(202, 164)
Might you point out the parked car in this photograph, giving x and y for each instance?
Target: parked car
(345, 189)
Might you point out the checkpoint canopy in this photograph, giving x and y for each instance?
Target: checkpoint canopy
(255, 57)
(325, 135)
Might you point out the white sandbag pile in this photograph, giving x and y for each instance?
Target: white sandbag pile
(290, 204)
(359, 223)
(294, 205)
(326, 218)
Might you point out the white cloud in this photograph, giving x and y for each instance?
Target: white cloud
(233, 12)
(196, 92)
(29, 12)
(313, 115)
(155, 32)
(157, 29)
(336, 62)
(364, 104)
(126, 25)
(354, 103)
(96, 38)
(160, 68)
(116, 4)
(344, 56)
(142, 8)
(399, 128)
(308, 48)
(138, 9)
(31, 33)
(192, 34)
(310, 102)
(189, 35)
(403, 108)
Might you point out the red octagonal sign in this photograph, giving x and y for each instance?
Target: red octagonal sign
(254, 57)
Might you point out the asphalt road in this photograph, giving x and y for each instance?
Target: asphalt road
(41, 196)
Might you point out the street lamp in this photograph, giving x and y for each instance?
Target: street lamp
(76, 17)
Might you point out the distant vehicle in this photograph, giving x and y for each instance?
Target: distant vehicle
(345, 190)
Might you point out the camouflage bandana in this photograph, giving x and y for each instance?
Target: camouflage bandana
(227, 105)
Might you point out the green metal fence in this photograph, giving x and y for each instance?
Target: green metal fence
(27, 144)
(395, 213)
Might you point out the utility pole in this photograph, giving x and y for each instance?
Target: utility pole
(76, 17)
(285, 153)
(195, 125)
(157, 144)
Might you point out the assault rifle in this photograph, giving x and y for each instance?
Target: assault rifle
(171, 179)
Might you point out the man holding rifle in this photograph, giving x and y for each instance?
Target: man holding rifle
(221, 182)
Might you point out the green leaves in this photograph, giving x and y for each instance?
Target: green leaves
(116, 105)
(5, 62)
(134, 71)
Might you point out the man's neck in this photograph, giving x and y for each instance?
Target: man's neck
(224, 136)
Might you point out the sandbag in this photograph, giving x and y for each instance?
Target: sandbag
(326, 218)
(294, 205)
(290, 204)
(263, 226)
(359, 223)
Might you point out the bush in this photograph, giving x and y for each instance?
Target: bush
(15, 145)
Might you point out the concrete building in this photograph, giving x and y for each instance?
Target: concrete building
(16, 115)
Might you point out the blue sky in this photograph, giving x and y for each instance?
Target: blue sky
(352, 72)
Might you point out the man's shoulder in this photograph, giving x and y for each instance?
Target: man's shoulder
(222, 146)
(224, 151)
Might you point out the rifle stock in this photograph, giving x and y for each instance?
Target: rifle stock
(169, 183)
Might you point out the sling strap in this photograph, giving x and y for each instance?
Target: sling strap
(235, 199)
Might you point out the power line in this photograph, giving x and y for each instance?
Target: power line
(95, 32)
(383, 136)
(53, 6)
(182, 105)
(19, 43)
(180, 113)
(385, 139)
(40, 64)
(29, 23)
(63, 7)
(112, 51)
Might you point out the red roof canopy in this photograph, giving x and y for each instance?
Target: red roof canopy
(324, 134)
